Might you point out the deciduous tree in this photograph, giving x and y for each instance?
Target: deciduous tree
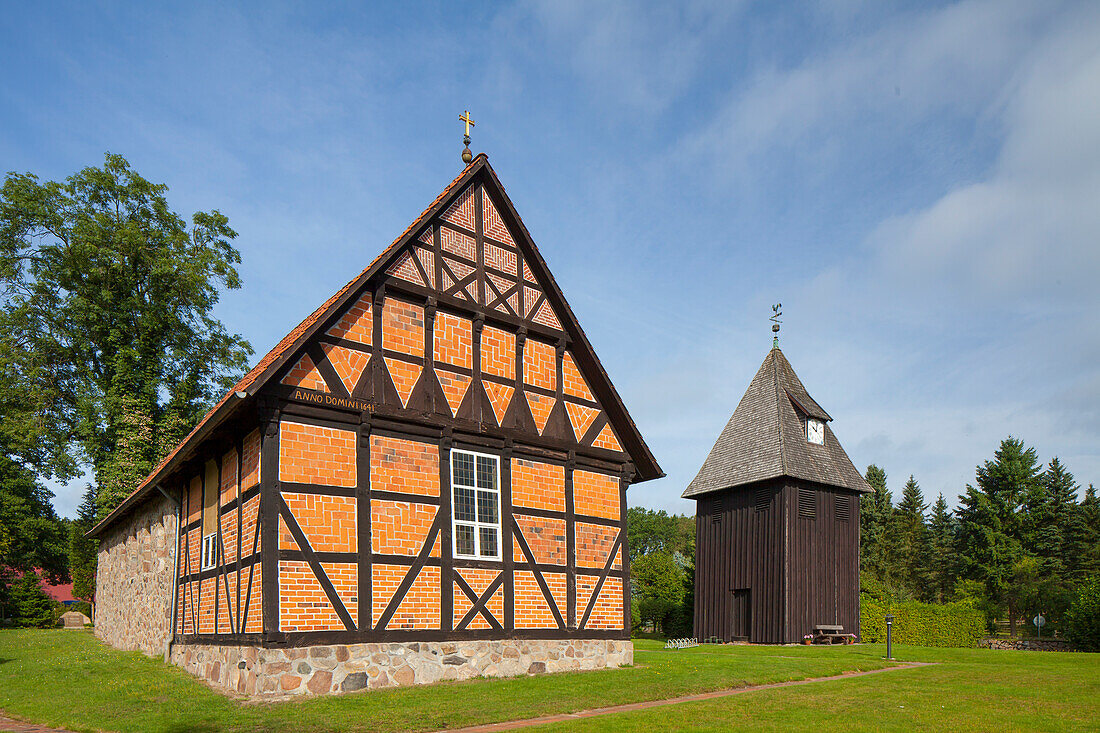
(107, 320)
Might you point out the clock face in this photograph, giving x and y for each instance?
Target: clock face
(815, 431)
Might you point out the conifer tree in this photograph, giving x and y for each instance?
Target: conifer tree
(910, 542)
(941, 529)
(874, 515)
(82, 550)
(32, 607)
(1089, 520)
(1061, 531)
(987, 541)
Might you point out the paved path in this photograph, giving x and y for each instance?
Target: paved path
(514, 724)
(14, 726)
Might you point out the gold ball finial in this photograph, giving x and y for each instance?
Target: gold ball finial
(467, 155)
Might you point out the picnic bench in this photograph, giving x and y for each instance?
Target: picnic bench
(829, 634)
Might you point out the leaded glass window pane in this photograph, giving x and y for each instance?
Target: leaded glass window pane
(464, 505)
(463, 469)
(464, 539)
(486, 473)
(488, 541)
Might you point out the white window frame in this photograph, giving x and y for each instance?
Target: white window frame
(476, 525)
(209, 551)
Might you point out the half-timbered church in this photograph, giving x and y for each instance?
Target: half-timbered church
(426, 479)
(777, 520)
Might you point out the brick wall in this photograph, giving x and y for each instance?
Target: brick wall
(303, 605)
(328, 522)
(572, 381)
(400, 528)
(540, 364)
(530, 608)
(404, 466)
(310, 454)
(356, 323)
(479, 580)
(403, 327)
(453, 340)
(596, 494)
(134, 578)
(498, 352)
(538, 485)
(420, 607)
(594, 544)
(545, 537)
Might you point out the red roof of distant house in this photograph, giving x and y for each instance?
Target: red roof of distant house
(62, 592)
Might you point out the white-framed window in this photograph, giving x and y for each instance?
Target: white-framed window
(475, 505)
(209, 551)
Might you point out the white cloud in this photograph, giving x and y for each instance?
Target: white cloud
(638, 55)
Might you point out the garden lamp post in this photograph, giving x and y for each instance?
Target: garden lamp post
(889, 628)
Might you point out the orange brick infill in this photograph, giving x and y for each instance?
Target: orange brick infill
(498, 352)
(403, 327)
(646, 705)
(250, 469)
(540, 364)
(356, 322)
(328, 522)
(400, 527)
(594, 543)
(537, 485)
(454, 340)
(596, 494)
(545, 537)
(572, 381)
(311, 454)
(303, 605)
(404, 466)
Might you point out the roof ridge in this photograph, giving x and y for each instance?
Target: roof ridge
(778, 416)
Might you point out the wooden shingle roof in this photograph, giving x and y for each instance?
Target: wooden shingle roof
(766, 438)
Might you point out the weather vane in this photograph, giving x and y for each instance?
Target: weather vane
(775, 324)
(467, 156)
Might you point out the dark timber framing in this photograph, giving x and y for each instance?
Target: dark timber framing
(372, 408)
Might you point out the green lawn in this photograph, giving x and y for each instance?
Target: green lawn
(69, 679)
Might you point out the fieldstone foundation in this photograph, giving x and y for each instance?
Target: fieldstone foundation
(321, 670)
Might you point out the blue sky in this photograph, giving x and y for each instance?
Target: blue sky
(918, 185)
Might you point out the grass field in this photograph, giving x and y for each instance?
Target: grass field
(69, 679)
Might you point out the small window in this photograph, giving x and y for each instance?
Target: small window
(209, 551)
(843, 508)
(807, 503)
(475, 496)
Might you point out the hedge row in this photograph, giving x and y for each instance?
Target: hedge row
(921, 624)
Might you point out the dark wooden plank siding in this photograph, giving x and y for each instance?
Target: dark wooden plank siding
(740, 548)
(824, 562)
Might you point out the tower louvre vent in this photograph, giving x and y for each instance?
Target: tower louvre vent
(807, 503)
(762, 498)
(843, 507)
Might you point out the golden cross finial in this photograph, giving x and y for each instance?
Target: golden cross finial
(467, 156)
(465, 117)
